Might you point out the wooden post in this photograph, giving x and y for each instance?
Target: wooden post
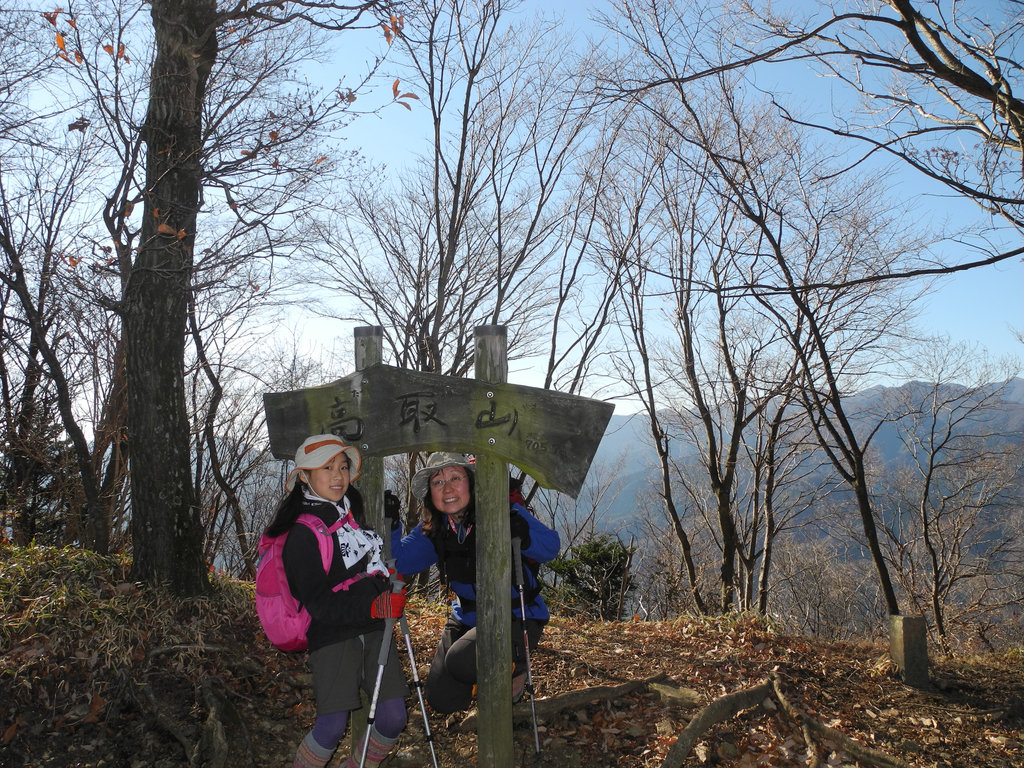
(368, 351)
(369, 340)
(494, 576)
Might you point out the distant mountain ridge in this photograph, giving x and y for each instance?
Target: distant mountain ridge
(627, 449)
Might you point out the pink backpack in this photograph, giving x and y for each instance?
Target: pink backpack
(284, 619)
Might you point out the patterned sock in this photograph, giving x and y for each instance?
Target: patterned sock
(376, 751)
(311, 755)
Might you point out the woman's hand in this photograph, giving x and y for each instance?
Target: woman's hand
(520, 529)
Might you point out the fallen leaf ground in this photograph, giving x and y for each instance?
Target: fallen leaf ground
(95, 671)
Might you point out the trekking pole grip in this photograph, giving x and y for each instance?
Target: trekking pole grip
(397, 585)
(517, 561)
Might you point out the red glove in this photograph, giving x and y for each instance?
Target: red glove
(388, 605)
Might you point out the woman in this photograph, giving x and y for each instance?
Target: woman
(348, 604)
(446, 536)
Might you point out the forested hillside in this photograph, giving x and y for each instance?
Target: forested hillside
(627, 447)
(785, 518)
(732, 216)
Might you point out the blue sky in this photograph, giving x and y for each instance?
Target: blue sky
(983, 306)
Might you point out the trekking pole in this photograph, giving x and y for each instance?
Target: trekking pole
(419, 688)
(517, 561)
(417, 684)
(382, 660)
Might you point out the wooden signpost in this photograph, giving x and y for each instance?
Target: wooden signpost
(385, 410)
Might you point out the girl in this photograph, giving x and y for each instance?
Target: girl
(348, 604)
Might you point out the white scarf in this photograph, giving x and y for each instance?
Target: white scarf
(355, 542)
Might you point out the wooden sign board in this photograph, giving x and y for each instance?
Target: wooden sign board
(386, 410)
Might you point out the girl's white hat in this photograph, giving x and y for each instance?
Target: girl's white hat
(317, 451)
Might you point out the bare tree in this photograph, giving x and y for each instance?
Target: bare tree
(937, 87)
(664, 589)
(936, 80)
(844, 330)
(474, 230)
(155, 304)
(625, 239)
(489, 223)
(727, 372)
(817, 254)
(820, 590)
(945, 529)
(26, 54)
(786, 487)
(681, 249)
(237, 481)
(839, 332)
(30, 432)
(219, 133)
(38, 232)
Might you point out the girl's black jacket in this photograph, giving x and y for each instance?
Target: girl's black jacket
(336, 615)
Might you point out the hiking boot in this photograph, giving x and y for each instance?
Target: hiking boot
(518, 687)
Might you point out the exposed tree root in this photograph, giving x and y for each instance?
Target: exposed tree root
(718, 711)
(223, 738)
(163, 721)
(224, 735)
(522, 712)
(816, 727)
(814, 731)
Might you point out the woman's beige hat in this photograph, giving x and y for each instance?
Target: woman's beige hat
(435, 463)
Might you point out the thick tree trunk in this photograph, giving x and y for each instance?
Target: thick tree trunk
(166, 530)
(730, 545)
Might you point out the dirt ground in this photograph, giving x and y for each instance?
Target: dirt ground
(95, 672)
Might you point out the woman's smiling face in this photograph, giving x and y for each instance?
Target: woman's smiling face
(449, 490)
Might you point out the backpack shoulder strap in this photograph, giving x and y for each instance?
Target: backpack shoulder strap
(324, 536)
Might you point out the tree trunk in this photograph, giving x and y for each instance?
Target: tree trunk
(730, 546)
(109, 445)
(867, 518)
(167, 533)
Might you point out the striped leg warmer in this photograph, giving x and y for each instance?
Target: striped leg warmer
(310, 754)
(376, 751)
